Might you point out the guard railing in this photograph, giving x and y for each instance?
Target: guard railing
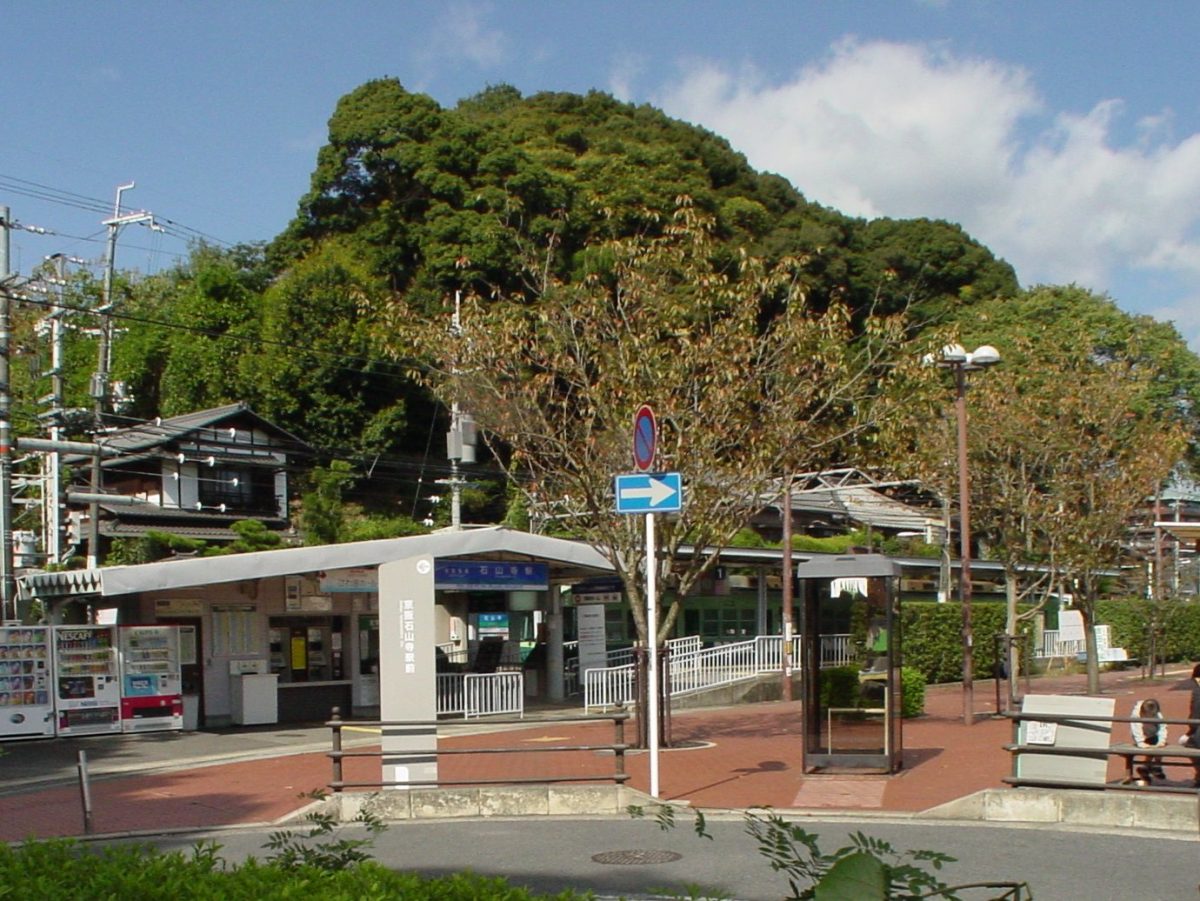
(597, 752)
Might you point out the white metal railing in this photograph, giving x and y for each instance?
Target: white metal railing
(770, 652)
(686, 644)
(696, 670)
(481, 694)
(494, 693)
(608, 686)
(703, 668)
(706, 668)
(1053, 646)
(616, 657)
(450, 696)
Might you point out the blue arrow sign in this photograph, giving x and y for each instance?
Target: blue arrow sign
(660, 492)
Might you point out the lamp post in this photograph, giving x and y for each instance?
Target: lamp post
(960, 362)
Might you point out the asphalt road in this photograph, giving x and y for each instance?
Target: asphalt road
(551, 854)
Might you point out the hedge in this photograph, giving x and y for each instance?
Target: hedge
(1176, 622)
(933, 633)
(933, 638)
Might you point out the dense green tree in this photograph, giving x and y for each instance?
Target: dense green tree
(318, 373)
(1046, 322)
(183, 331)
(443, 199)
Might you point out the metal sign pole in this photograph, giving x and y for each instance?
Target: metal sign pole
(652, 667)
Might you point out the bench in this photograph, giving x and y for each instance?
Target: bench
(1171, 755)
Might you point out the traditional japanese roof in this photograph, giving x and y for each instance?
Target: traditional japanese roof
(157, 433)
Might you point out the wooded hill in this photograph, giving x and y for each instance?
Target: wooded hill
(411, 202)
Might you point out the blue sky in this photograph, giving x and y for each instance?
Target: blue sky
(1064, 135)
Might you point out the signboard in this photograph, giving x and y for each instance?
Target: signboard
(593, 637)
(178, 607)
(597, 591)
(407, 671)
(360, 579)
(1087, 767)
(645, 438)
(660, 492)
(491, 575)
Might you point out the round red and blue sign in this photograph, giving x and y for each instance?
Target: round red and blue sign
(645, 438)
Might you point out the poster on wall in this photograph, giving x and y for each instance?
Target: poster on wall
(234, 629)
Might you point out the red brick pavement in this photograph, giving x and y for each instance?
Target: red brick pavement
(734, 757)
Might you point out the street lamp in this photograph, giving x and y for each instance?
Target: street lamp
(960, 362)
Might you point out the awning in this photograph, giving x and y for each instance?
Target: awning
(570, 561)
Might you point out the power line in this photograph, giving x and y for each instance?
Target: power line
(50, 194)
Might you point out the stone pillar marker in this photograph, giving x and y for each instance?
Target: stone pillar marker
(407, 671)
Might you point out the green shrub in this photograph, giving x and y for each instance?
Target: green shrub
(840, 687)
(67, 870)
(912, 692)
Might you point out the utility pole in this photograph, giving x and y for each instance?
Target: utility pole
(52, 460)
(460, 440)
(787, 597)
(8, 585)
(104, 355)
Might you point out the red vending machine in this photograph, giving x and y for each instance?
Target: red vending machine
(26, 707)
(151, 695)
(87, 684)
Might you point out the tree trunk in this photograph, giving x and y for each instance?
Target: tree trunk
(1089, 639)
(1012, 649)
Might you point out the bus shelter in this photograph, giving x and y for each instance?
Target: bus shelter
(851, 689)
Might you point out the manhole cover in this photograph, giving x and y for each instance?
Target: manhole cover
(627, 858)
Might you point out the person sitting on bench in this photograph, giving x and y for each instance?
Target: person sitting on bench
(1149, 735)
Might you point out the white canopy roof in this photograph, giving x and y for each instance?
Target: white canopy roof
(577, 558)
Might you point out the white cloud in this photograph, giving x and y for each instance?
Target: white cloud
(627, 68)
(464, 33)
(887, 129)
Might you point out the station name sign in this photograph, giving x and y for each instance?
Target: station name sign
(490, 575)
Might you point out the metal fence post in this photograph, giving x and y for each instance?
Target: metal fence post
(619, 743)
(335, 723)
(85, 793)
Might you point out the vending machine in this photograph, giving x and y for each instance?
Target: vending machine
(151, 684)
(87, 684)
(26, 706)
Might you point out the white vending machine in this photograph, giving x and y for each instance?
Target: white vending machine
(87, 684)
(26, 706)
(151, 687)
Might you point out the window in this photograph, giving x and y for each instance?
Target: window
(241, 489)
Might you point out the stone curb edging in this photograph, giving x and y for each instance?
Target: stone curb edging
(1126, 810)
